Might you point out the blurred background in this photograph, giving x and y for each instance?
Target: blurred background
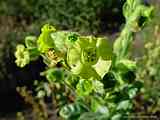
(19, 18)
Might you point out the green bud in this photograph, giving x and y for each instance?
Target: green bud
(22, 56)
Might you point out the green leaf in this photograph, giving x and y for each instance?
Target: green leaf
(98, 106)
(138, 84)
(98, 87)
(122, 44)
(34, 53)
(126, 65)
(104, 49)
(88, 72)
(124, 105)
(73, 56)
(102, 67)
(116, 117)
(109, 80)
(84, 87)
(54, 75)
(59, 38)
(96, 103)
(30, 42)
(41, 94)
(72, 111)
(93, 116)
(87, 41)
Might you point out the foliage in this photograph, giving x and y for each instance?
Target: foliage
(149, 64)
(80, 15)
(101, 80)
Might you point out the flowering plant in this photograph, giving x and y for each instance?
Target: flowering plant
(101, 78)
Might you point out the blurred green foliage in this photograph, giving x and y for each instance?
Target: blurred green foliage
(149, 63)
(78, 15)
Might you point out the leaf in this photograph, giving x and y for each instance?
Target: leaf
(98, 106)
(122, 44)
(72, 111)
(102, 67)
(34, 53)
(84, 87)
(54, 75)
(116, 117)
(88, 72)
(109, 80)
(87, 41)
(98, 87)
(30, 42)
(93, 116)
(124, 105)
(73, 56)
(104, 49)
(59, 38)
(133, 89)
(41, 94)
(138, 84)
(128, 76)
(126, 65)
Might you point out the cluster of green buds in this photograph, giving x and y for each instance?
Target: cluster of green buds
(22, 56)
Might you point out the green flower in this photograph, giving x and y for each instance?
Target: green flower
(22, 56)
(90, 57)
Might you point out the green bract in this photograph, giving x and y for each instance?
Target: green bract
(30, 42)
(45, 42)
(90, 57)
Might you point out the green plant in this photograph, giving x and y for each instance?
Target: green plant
(101, 80)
